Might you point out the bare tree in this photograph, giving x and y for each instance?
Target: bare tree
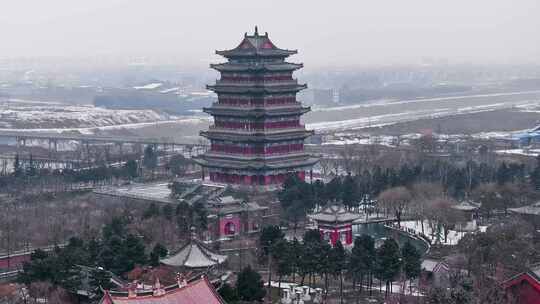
(396, 200)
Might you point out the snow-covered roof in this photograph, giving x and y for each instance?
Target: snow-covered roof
(434, 266)
(334, 213)
(194, 255)
(533, 209)
(466, 206)
(429, 265)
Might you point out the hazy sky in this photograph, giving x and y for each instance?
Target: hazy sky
(364, 32)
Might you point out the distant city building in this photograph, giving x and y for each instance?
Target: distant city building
(257, 138)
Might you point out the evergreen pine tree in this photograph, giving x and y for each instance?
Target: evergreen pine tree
(388, 261)
(250, 286)
(412, 261)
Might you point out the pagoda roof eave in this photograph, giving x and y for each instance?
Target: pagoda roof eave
(231, 67)
(256, 89)
(235, 53)
(308, 162)
(256, 112)
(256, 137)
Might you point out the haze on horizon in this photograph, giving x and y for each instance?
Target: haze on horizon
(326, 33)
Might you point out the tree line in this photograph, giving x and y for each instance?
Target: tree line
(117, 251)
(313, 257)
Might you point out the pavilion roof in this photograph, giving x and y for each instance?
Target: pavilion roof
(334, 214)
(256, 45)
(194, 255)
(196, 292)
(533, 209)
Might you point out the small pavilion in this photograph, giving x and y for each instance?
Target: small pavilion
(194, 256)
(334, 223)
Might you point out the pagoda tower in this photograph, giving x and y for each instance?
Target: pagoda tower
(257, 138)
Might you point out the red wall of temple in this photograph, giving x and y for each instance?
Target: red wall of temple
(13, 262)
(228, 225)
(524, 289)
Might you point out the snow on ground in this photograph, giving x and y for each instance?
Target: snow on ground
(406, 116)
(526, 152)
(150, 86)
(38, 116)
(171, 90)
(390, 102)
(432, 233)
(46, 115)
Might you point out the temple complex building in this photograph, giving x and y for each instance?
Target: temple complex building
(195, 292)
(257, 137)
(335, 223)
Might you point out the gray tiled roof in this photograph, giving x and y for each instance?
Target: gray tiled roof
(194, 255)
(333, 214)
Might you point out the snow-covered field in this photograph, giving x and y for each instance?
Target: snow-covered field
(20, 114)
(51, 117)
(35, 116)
(384, 113)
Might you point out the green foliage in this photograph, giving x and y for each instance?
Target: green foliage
(131, 169)
(412, 261)
(388, 260)
(150, 158)
(159, 251)
(337, 259)
(283, 254)
(269, 236)
(362, 256)
(151, 211)
(178, 164)
(100, 279)
(168, 212)
(228, 293)
(250, 286)
(349, 192)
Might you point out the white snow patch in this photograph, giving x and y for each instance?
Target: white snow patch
(150, 86)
